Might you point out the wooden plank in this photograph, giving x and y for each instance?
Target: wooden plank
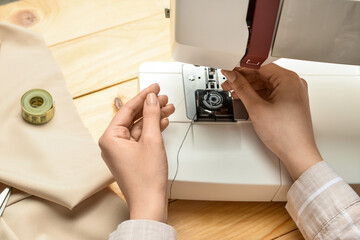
(229, 220)
(117, 190)
(286, 226)
(112, 56)
(96, 110)
(294, 235)
(62, 20)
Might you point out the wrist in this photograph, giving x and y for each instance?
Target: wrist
(297, 163)
(155, 209)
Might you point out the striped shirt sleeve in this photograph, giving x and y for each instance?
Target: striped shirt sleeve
(323, 205)
(143, 230)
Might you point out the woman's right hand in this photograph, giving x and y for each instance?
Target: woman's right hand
(278, 104)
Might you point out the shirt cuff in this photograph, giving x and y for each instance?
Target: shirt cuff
(317, 197)
(143, 230)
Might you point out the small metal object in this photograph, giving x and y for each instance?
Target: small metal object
(212, 79)
(192, 78)
(252, 63)
(205, 100)
(118, 103)
(213, 105)
(4, 198)
(167, 12)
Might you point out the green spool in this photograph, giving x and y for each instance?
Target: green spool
(37, 106)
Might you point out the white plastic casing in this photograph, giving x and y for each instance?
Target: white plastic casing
(209, 33)
(321, 30)
(227, 161)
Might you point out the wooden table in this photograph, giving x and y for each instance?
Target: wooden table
(99, 44)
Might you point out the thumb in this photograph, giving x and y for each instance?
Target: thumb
(242, 88)
(151, 118)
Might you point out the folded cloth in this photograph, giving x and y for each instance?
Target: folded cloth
(54, 167)
(33, 218)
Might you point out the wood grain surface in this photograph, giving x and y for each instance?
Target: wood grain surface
(229, 220)
(99, 45)
(63, 20)
(103, 59)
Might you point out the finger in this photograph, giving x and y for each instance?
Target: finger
(242, 88)
(272, 71)
(264, 93)
(164, 112)
(117, 132)
(258, 85)
(250, 74)
(125, 116)
(136, 130)
(253, 75)
(151, 132)
(121, 132)
(234, 96)
(226, 86)
(167, 110)
(304, 83)
(277, 76)
(137, 127)
(164, 123)
(163, 100)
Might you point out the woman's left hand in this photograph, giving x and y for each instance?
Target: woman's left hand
(133, 149)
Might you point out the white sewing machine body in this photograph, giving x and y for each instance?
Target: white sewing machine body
(227, 161)
(227, 33)
(213, 151)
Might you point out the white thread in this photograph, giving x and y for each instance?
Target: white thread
(351, 222)
(177, 158)
(315, 194)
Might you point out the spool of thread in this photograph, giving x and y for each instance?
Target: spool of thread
(37, 106)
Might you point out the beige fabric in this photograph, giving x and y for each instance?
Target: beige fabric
(324, 206)
(37, 219)
(58, 162)
(143, 230)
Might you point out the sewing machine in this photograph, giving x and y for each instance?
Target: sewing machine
(213, 151)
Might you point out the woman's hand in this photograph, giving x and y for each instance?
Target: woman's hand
(132, 147)
(278, 104)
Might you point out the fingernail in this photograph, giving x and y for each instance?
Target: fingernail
(151, 99)
(152, 85)
(230, 75)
